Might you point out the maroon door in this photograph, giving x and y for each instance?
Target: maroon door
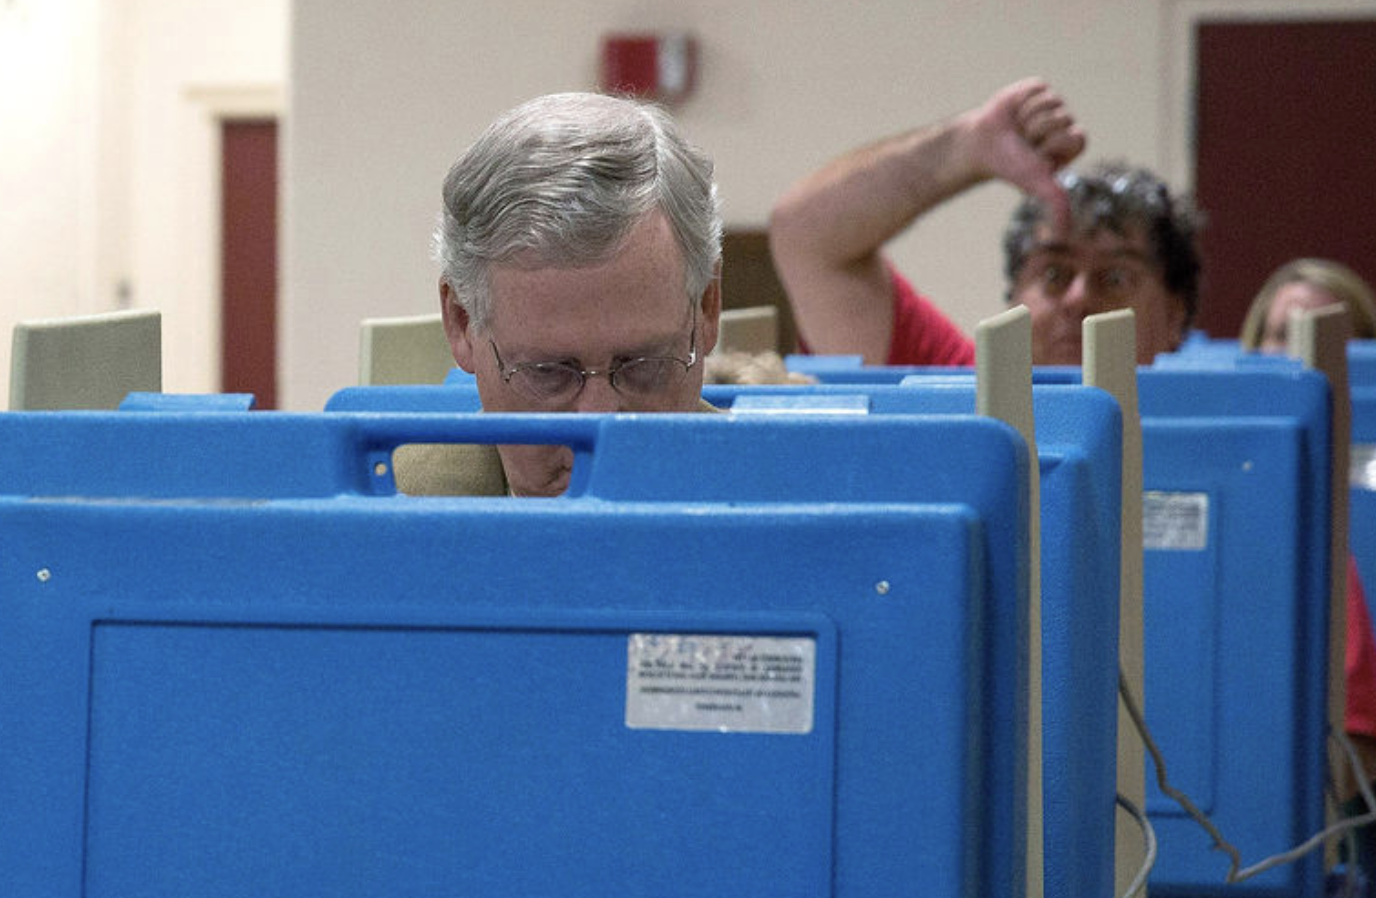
(248, 280)
(1285, 145)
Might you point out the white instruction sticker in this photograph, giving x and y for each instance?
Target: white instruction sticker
(1361, 470)
(740, 684)
(1175, 521)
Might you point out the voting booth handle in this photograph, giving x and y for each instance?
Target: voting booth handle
(378, 436)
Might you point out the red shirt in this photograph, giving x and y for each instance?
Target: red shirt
(922, 334)
(1359, 666)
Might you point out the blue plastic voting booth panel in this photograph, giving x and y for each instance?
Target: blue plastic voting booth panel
(1362, 496)
(235, 665)
(1361, 362)
(1079, 453)
(1236, 457)
(1199, 348)
(1236, 473)
(851, 369)
(1361, 356)
(1079, 448)
(452, 396)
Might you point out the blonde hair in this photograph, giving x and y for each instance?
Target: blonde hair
(1346, 285)
(740, 367)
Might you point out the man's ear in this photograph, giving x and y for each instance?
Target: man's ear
(456, 327)
(711, 313)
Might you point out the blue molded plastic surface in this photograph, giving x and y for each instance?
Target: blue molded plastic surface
(1079, 449)
(850, 369)
(1362, 495)
(236, 664)
(1251, 433)
(188, 402)
(451, 396)
(1237, 630)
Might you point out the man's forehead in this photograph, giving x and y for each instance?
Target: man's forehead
(576, 332)
(1098, 242)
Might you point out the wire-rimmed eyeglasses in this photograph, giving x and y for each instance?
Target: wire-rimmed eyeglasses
(558, 383)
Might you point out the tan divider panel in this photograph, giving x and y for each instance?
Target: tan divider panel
(406, 350)
(1110, 363)
(85, 361)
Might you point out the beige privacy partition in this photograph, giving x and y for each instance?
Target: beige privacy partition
(85, 361)
(752, 329)
(1003, 365)
(1110, 363)
(407, 350)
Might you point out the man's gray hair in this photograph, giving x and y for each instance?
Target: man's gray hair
(560, 181)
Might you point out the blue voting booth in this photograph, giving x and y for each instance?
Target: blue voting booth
(1236, 457)
(1361, 359)
(424, 398)
(236, 663)
(851, 369)
(1078, 434)
(1079, 452)
(1236, 468)
(1362, 496)
(1361, 362)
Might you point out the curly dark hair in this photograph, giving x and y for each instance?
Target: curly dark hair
(1118, 197)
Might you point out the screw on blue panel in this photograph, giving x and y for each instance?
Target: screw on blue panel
(882, 587)
(44, 575)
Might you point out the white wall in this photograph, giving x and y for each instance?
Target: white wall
(48, 88)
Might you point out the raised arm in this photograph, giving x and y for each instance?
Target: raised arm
(827, 231)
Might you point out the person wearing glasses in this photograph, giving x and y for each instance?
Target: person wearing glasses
(1112, 237)
(580, 252)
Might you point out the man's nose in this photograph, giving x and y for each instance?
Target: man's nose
(598, 395)
(1078, 295)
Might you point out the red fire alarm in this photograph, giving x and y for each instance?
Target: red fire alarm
(659, 67)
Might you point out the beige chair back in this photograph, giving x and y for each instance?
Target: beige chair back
(406, 350)
(85, 361)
